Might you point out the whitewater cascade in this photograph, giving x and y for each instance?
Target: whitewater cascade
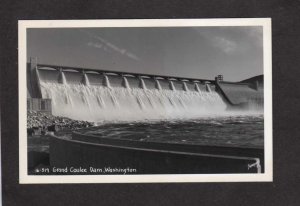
(99, 103)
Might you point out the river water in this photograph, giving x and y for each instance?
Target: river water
(239, 130)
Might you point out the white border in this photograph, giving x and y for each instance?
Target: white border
(267, 176)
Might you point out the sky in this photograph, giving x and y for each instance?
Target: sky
(236, 52)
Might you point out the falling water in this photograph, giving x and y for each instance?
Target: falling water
(114, 99)
(208, 89)
(157, 84)
(172, 87)
(100, 102)
(150, 102)
(197, 88)
(140, 102)
(62, 78)
(185, 88)
(142, 84)
(106, 82)
(85, 80)
(105, 103)
(172, 102)
(125, 83)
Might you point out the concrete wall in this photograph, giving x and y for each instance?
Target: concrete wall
(66, 153)
(33, 81)
(236, 94)
(39, 105)
(196, 148)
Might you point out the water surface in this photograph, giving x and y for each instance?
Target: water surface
(238, 130)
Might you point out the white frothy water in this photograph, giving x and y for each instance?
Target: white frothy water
(125, 83)
(86, 80)
(172, 87)
(105, 103)
(185, 88)
(142, 84)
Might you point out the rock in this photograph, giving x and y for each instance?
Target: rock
(50, 123)
(34, 131)
(53, 128)
(30, 131)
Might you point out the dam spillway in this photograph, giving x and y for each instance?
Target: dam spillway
(112, 96)
(100, 95)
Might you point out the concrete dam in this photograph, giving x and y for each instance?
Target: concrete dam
(135, 93)
(102, 95)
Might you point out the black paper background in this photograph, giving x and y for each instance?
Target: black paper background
(284, 191)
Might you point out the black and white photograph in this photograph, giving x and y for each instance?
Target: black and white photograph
(145, 101)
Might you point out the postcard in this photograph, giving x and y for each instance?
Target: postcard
(157, 100)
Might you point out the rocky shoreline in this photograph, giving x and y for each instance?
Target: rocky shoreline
(39, 123)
